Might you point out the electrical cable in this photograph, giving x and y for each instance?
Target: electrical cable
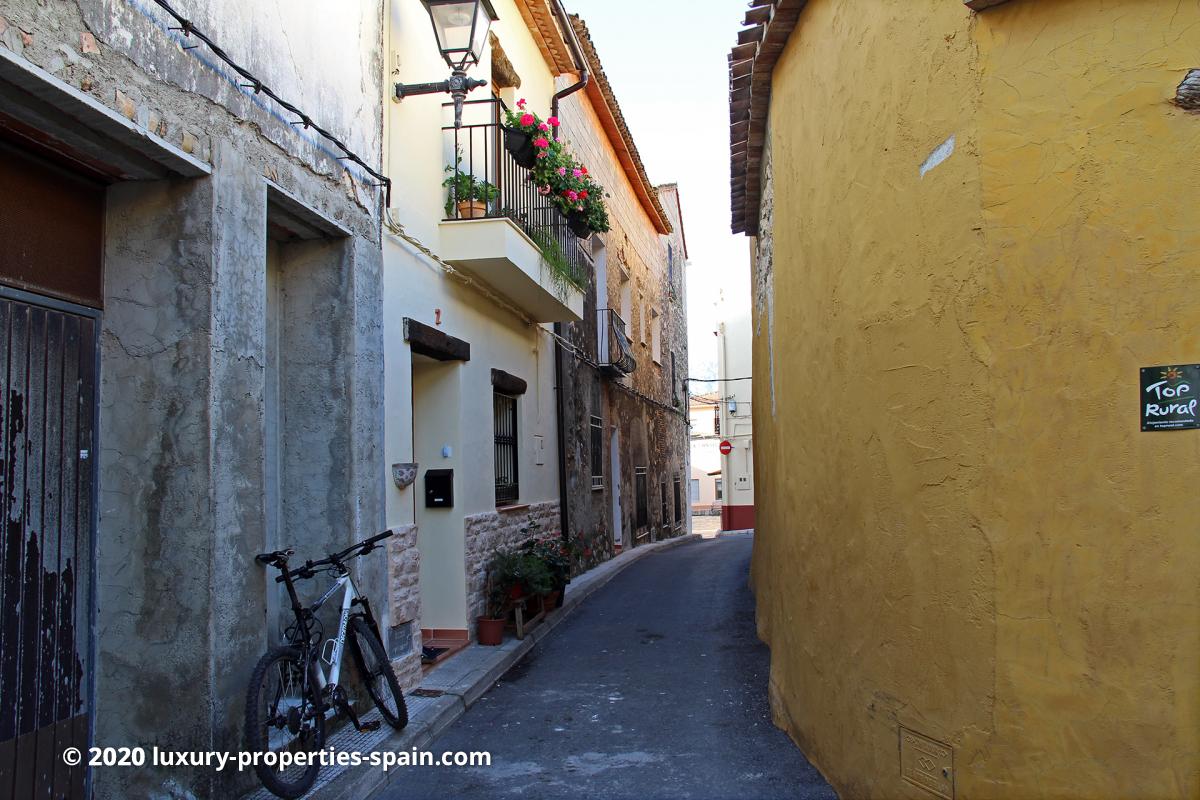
(189, 29)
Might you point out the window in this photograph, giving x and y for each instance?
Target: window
(717, 420)
(505, 421)
(720, 487)
(597, 453)
(678, 500)
(656, 325)
(643, 501)
(674, 382)
(695, 490)
(664, 518)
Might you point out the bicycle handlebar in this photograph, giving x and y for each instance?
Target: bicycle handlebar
(334, 559)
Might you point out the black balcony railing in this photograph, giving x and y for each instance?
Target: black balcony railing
(615, 351)
(487, 183)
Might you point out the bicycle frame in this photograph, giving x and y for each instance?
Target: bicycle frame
(349, 599)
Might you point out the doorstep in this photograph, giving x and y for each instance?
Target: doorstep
(453, 686)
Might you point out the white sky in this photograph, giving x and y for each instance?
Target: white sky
(667, 63)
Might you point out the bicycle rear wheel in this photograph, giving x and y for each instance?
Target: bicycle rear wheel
(377, 674)
(282, 716)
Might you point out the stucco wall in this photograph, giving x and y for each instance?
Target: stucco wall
(415, 286)
(962, 529)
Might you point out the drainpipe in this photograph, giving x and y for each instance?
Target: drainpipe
(564, 515)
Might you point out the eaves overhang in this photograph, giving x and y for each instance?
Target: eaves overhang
(612, 120)
(770, 24)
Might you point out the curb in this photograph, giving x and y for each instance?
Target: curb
(363, 781)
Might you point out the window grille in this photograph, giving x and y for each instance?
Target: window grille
(720, 486)
(505, 422)
(678, 500)
(717, 420)
(597, 453)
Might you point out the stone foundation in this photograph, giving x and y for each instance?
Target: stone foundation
(404, 606)
(485, 533)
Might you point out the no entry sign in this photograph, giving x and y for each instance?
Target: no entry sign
(726, 447)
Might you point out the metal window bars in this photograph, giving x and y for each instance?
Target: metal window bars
(486, 182)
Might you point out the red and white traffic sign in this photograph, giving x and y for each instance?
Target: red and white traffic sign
(726, 447)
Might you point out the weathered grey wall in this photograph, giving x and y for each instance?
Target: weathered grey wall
(182, 607)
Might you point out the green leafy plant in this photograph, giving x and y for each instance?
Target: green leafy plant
(551, 551)
(556, 262)
(558, 176)
(517, 569)
(463, 186)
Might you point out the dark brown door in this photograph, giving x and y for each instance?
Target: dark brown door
(47, 458)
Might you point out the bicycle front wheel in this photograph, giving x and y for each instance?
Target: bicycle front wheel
(377, 674)
(282, 716)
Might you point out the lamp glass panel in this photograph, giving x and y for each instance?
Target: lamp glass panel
(453, 22)
(482, 25)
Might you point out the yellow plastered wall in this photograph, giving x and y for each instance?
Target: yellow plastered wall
(961, 527)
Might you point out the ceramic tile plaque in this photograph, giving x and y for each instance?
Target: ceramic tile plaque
(926, 763)
(1170, 397)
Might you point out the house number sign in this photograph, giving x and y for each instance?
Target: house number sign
(1170, 398)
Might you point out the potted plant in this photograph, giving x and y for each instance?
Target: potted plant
(489, 629)
(470, 195)
(526, 136)
(573, 192)
(552, 552)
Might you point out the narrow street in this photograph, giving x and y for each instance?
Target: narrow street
(656, 687)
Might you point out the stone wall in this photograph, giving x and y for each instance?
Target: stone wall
(404, 605)
(491, 531)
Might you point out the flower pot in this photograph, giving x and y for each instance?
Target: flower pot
(516, 592)
(489, 631)
(472, 209)
(519, 145)
(577, 222)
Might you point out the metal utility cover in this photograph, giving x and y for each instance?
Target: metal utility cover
(926, 763)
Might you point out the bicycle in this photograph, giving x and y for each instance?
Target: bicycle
(290, 696)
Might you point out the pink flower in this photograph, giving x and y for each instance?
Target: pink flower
(573, 196)
(578, 173)
(542, 154)
(562, 170)
(526, 120)
(521, 103)
(543, 127)
(553, 121)
(543, 190)
(541, 142)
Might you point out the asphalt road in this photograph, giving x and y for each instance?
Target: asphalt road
(655, 688)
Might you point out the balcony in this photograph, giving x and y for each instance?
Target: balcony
(615, 351)
(510, 237)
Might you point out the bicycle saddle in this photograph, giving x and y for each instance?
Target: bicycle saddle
(276, 558)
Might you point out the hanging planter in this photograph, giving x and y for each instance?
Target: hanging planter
(577, 222)
(519, 145)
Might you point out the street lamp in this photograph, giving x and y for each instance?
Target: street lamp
(461, 28)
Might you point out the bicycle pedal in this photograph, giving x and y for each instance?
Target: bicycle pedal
(368, 727)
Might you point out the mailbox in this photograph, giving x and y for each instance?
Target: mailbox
(439, 488)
